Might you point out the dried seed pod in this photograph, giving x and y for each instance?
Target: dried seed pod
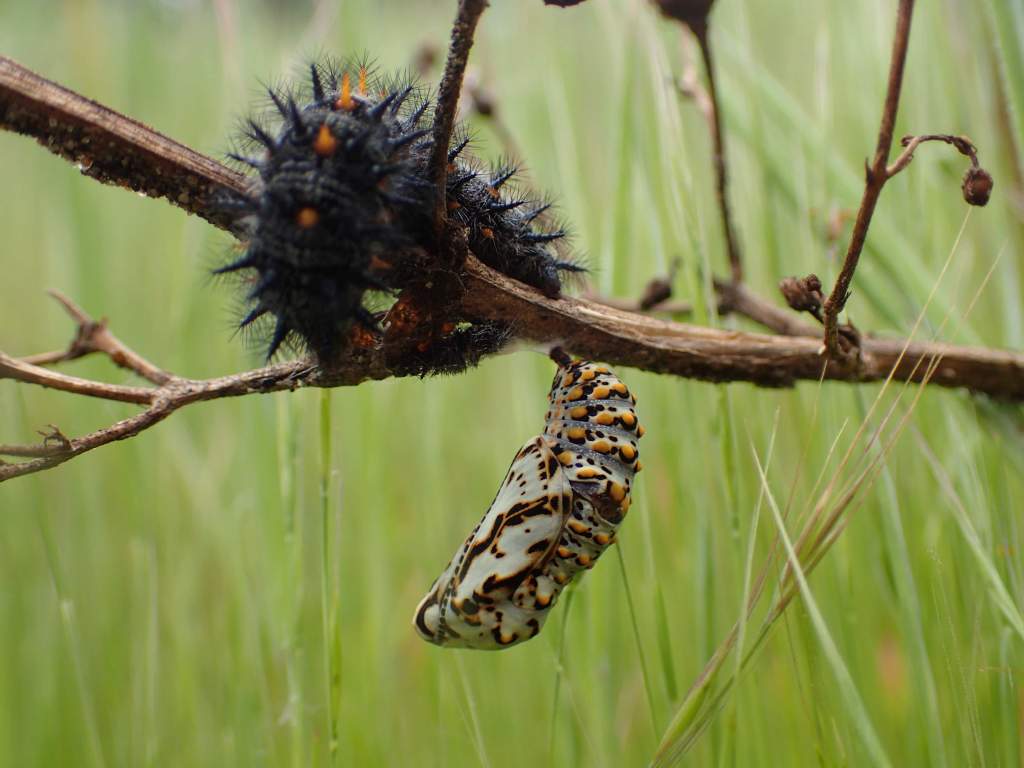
(977, 186)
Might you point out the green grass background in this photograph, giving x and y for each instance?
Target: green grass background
(164, 601)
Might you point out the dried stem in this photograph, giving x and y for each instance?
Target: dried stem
(876, 177)
(168, 395)
(700, 31)
(910, 143)
(109, 147)
(448, 102)
(66, 123)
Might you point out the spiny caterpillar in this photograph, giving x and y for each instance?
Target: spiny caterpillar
(556, 512)
(343, 203)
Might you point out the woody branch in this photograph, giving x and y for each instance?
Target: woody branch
(115, 149)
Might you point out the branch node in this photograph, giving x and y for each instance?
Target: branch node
(54, 438)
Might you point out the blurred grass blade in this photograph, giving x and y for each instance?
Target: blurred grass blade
(847, 688)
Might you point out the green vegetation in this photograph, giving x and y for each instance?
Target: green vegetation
(235, 586)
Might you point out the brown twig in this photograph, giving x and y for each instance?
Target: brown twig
(876, 178)
(93, 337)
(109, 147)
(49, 112)
(711, 354)
(448, 101)
(168, 395)
(700, 31)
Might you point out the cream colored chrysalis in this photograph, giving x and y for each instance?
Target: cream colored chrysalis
(557, 510)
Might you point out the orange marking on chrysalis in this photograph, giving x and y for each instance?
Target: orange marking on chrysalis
(616, 491)
(325, 144)
(307, 217)
(345, 100)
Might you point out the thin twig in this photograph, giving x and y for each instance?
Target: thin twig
(700, 31)
(94, 336)
(910, 143)
(876, 178)
(448, 101)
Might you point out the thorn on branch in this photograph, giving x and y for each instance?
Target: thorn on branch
(53, 436)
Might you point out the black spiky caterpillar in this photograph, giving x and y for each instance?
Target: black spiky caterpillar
(343, 205)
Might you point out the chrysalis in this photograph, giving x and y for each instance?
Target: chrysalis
(556, 512)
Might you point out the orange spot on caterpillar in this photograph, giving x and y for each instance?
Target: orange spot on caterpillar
(307, 217)
(577, 526)
(565, 458)
(587, 473)
(600, 393)
(628, 452)
(576, 433)
(621, 388)
(345, 100)
(580, 412)
(588, 375)
(602, 446)
(575, 394)
(639, 466)
(583, 560)
(377, 264)
(362, 338)
(605, 419)
(628, 419)
(487, 232)
(325, 144)
(564, 552)
(601, 539)
(640, 431)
